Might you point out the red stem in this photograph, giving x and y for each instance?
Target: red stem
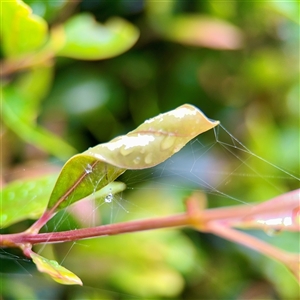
(104, 230)
(200, 219)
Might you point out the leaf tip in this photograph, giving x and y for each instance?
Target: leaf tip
(54, 270)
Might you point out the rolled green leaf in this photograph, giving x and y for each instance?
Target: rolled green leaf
(150, 144)
(155, 140)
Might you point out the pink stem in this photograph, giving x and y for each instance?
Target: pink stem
(104, 230)
(248, 241)
(198, 218)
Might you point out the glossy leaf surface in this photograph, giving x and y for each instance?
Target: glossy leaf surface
(17, 21)
(148, 145)
(82, 37)
(25, 199)
(56, 271)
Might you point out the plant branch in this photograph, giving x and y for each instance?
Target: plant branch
(217, 221)
(103, 230)
(290, 260)
(194, 217)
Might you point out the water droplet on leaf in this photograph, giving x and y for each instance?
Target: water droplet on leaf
(88, 169)
(109, 198)
(168, 142)
(137, 160)
(125, 151)
(149, 158)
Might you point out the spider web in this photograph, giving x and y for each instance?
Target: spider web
(215, 163)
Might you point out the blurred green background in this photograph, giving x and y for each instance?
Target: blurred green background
(238, 61)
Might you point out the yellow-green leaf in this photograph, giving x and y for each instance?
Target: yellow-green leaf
(148, 145)
(56, 271)
(155, 140)
(21, 31)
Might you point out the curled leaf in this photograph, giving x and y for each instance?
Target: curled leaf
(56, 271)
(155, 140)
(150, 144)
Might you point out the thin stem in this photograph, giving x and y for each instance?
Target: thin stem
(35, 228)
(249, 241)
(196, 218)
(104, 230)
(290, 260)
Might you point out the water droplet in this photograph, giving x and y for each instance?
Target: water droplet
(137, 160)
(109, 198)
(126, 151)
(149, 158)
(88, 169)
(168, 142)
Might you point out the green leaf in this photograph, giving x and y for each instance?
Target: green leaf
(81, 176)
(25, 199)
(148, 145)
(17, 114)
(56, 271)
(82, 37)
(21, 31)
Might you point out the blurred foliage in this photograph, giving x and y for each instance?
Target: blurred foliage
(237, 61)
